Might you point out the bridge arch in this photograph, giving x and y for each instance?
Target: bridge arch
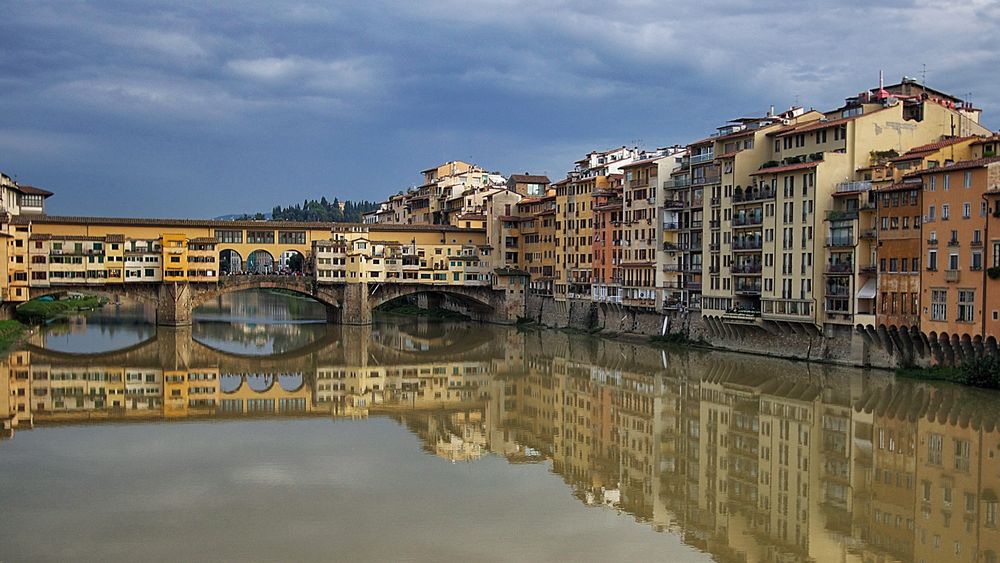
(230, 262)
(330, 296)
(292, 261)
(142, 292)
(480, 299)
(260, 261)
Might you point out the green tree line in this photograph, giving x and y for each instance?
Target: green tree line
(321, 210)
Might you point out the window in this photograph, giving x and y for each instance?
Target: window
(935, 446)
(939, 304)
(945, 211)
(953, 261)
(967, 180)
(966, 305)
(932, 259)
(292, 237)
(229, 236)
(962, 452)
(966, 210)
(946, 182)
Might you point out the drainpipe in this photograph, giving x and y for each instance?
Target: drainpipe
(986, 237)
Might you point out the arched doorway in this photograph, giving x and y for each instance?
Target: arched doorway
(230, 262)
(291, 262)
(260, 262)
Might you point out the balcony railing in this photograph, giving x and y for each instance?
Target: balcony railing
(868, 234)
(747, 197)
(838, 291)
(675, 204)
(932, 242)
(951, 275)
(676, 183)
(671, 225)
(842, 215)
(706, 179)
(746, 268)
(714, 223)
(748, 288)
(862, 186)
(747, 220)
(716, 201)
(840, 268)
(839, 242)
(703, 157)
(750, 244)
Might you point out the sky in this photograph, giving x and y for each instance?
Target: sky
(199, 109)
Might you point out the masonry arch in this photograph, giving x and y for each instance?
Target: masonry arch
(230, 262)
(479, 299)
(291, 261)
(330, 296)
(260, 261)
(142, 292)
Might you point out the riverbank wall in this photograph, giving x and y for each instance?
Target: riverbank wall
(841, 345)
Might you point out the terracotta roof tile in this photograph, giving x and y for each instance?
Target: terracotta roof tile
(786, 168)
(960, 165)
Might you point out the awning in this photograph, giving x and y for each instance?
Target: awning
(868, 290)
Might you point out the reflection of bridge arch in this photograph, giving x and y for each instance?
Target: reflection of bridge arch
(233, 383)
(92, 357)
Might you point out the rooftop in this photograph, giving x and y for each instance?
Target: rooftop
(529, 178)
(960, 165)
(224, 224)
(786, 168)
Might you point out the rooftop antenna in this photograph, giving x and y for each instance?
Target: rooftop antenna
(923, 75)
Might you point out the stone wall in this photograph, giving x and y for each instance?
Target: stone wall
(842, 346)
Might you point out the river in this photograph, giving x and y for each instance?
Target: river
(261, 433)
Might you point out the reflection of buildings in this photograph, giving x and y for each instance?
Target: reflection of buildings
(749, 460)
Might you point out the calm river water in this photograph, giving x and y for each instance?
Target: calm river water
(261, 433)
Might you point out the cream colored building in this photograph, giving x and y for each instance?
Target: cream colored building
(794, 215)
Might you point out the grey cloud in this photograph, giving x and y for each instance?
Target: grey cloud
(312, 95)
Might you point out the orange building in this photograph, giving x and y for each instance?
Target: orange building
(953, 283)
(900, 208)
(607, 245)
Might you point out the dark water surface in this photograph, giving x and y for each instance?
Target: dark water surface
(259, 435)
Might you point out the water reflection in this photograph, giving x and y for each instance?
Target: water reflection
(746, 459)
(111, 327)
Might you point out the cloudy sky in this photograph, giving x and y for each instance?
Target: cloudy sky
(198, 109)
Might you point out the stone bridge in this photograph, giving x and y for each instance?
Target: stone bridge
(346, 303)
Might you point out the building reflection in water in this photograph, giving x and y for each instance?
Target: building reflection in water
(749, 459)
